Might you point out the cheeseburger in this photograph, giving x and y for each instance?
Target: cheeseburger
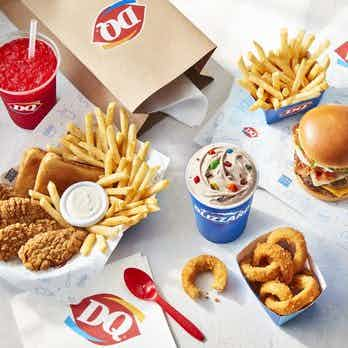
(321, 152)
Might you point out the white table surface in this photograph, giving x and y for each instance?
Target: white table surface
(169, 238)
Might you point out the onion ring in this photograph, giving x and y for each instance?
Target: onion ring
(200, 264)
(277, 289)
(260, 274)
(294, 238)
(274, 252)
(310, 290)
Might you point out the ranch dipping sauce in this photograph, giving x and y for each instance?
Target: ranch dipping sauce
(84, 204)
(221, 175)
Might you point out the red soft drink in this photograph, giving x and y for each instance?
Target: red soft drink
(28, 86)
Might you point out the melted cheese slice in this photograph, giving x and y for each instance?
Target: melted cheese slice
(338, 192)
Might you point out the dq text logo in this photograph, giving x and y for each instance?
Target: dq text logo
(25, 108)
(105, 319)
(222, 218)
(118, 23)
(297, 108)
(250, 132)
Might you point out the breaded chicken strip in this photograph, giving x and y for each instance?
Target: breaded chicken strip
(6, 192)
(12, 237)
(51, 249)
(22, 210)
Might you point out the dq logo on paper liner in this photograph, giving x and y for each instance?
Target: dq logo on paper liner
(24, 108)
(250, 132)
(342, 52)
(118, 23)
(105, 319)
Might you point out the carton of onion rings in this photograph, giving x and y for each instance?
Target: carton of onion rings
(247, 252)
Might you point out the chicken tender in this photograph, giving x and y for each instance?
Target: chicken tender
(22, 210)
(51, 249)
(12, 237)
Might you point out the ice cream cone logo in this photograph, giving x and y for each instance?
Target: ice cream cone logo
(118, 23)
(105, 319)
(24, 108)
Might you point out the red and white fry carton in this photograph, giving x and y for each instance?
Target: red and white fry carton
(310, 264)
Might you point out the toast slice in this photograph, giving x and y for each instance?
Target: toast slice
(28, 170)
(63, 173)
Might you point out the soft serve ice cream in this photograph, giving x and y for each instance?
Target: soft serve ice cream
(221, 175)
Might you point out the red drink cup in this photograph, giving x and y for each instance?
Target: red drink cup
(28, 86)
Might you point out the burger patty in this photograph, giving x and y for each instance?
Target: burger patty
(303, 173)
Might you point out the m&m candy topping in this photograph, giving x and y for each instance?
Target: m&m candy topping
(196, 179)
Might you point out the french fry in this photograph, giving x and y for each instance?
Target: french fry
(98, 140)
(243, 68)
(306, 44)
(319, 79)
(115, 221)
(118, 191)
(260, 92)
(276, 80)
(54, 195)
(249, 86)
(266, 86)
(299, 76)
(322, 47)
(112, 179)
(119, 141)
(324, 85)
(53, 212)
(74, 130)
(72, 158)
(260, 51)
(259, 66)
(127, 169)
(275, 102)
(71, 138)
(101, 243)
(153, 208)
(116, 205)
(89, 129)
(101, 129)
(110, 114)
(326, 63)
(88, 244)
(142, 209)
(77, 151)
(146, 182)
(158, 187)
(111, 137)
(144, 149)
(38, 195)
(138, 179)
(109, 163)
(137, 161)
(283, 65)
(284, 42)
(136, 219)
(131, 146)
(92, 150)
(316, 69)
(124, 121)
(109, 232)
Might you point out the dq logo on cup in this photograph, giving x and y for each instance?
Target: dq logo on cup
(118, 23)
(24, 108)
(105, 319)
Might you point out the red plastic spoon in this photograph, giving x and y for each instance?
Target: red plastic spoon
(142, 286)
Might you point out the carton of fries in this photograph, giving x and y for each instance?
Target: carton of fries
(286, 81)
(310, 264)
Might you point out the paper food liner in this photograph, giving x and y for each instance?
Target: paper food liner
(76, 271)
(310, 264)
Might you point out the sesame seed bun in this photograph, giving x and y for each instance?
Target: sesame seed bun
(323, 135)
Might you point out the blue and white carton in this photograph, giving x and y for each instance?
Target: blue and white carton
(310, 264)
(222, 224)
(273, 116)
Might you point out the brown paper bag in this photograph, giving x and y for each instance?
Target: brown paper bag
(127, 49)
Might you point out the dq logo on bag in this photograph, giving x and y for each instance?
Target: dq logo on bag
(25, 108)
(296, 109)
(118, 23)
(105, 319)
